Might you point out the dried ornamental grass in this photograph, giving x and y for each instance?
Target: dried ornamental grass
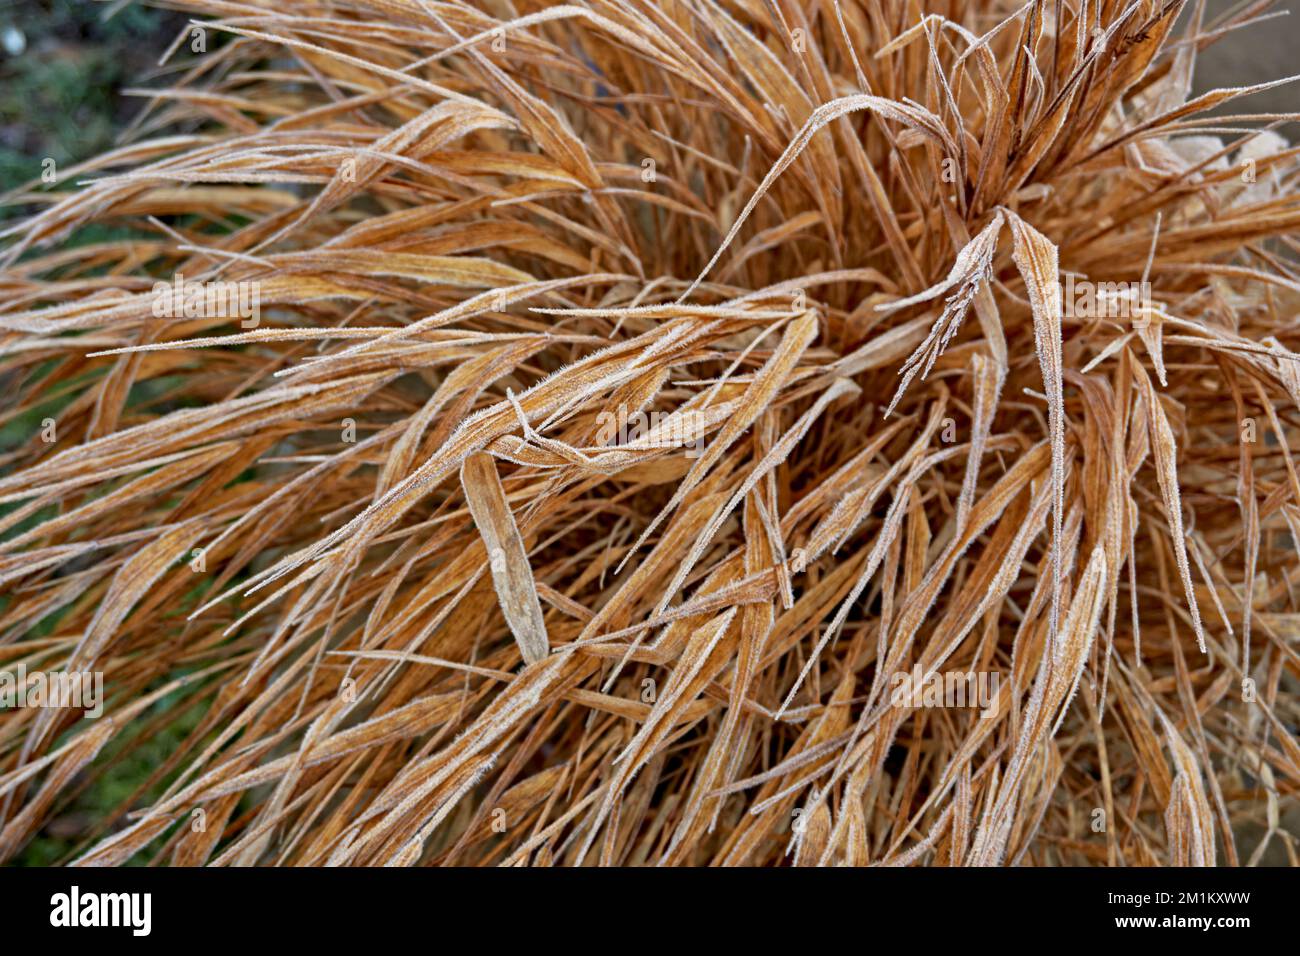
(626, 399)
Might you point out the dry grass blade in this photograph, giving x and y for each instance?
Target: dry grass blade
(508, 560)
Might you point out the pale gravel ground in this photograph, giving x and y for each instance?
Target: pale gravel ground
(1256, 54)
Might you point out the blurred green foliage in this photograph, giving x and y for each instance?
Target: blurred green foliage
(59, 96)
(62, 838)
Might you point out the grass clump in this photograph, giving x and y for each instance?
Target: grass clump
(644, 405)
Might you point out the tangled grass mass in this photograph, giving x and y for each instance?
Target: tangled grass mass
(617, 432)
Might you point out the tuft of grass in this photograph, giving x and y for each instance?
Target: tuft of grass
(597, 417)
